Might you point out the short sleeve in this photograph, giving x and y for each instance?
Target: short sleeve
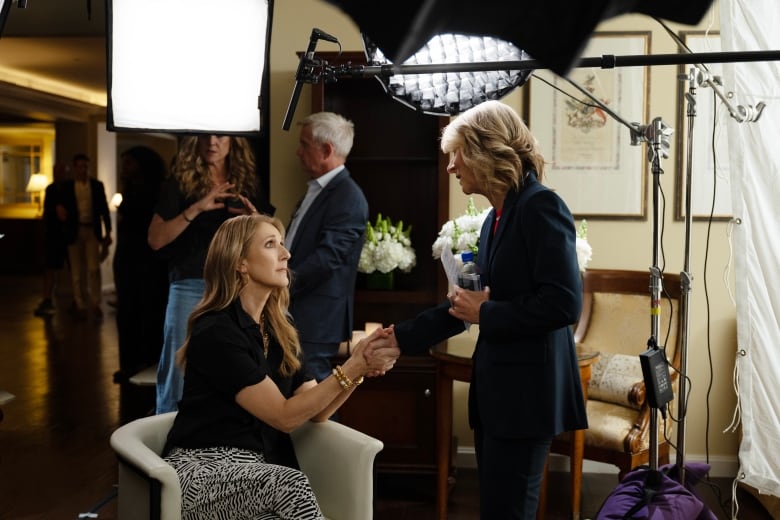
(224, 356)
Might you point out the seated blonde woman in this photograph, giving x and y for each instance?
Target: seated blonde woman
(245, 387)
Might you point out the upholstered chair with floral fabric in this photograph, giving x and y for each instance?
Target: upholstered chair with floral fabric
(616, 322)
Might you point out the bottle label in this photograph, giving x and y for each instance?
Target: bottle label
(470, 281)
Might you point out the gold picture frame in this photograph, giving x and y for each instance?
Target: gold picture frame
(591, 162)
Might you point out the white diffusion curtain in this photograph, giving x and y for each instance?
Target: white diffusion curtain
(754, 150)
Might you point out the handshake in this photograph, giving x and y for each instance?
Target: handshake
(377, 352)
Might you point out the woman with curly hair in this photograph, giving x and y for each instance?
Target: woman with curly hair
(213, 179)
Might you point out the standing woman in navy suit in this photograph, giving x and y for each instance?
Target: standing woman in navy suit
(525, 385)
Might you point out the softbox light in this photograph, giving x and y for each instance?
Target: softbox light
(554, 32)
(449, 93)
(187, 66)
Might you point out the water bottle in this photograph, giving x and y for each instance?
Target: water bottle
(468, 278)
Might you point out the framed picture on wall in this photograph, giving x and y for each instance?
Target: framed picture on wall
(709, 176)
(591, 162)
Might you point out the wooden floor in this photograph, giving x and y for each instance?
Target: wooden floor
(56, 463)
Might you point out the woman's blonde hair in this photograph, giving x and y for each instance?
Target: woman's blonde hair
(193, 174)
(495, 144)
(223, 283)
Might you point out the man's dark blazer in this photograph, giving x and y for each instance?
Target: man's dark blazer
(325, 253)
(101, 218)
(525, 379)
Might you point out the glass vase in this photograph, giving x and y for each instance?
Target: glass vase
(379, 281)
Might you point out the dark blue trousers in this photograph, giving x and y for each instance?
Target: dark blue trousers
(510, 475)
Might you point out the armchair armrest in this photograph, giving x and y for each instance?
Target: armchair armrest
(618, 379)
(637, 394)
(138, 445)
(339, 462)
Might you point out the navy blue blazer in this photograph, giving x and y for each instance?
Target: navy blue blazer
(101, 218)
(325, 254)
(525, 376)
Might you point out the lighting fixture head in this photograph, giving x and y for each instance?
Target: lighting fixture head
(450, 93)
(554, 32)
(116, 200)
(37, 183)
(203, 73)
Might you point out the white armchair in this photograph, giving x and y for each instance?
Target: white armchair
(338, 461)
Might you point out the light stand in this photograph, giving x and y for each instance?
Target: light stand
(657, 135)
(654, 363)
(696, 76)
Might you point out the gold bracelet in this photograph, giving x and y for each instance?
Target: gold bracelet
(184, 216)
(345, 382)
(340, 378)
(351, 382)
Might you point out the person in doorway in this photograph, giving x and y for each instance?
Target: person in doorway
(55, 245)
(246, 387)
(325, 238)
(213, 179)
(140, 274)
(525, 384)
(88, 233)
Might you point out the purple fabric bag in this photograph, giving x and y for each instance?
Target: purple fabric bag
(644, 494)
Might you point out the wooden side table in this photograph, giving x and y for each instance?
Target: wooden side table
(453, 363)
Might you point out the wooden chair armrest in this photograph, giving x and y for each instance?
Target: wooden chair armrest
(633, 441)
(637, 394)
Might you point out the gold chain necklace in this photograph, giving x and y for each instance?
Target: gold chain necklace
(264, 334)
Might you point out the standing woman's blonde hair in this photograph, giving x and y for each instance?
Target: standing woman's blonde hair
(192, 171)
(223, 283)
(495, 144)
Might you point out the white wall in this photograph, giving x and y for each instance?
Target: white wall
(105, 166)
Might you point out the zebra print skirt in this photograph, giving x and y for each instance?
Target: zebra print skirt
(237, 484)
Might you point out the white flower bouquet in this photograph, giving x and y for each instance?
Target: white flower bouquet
(462, 233)
(584, 251)
(387, 247)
